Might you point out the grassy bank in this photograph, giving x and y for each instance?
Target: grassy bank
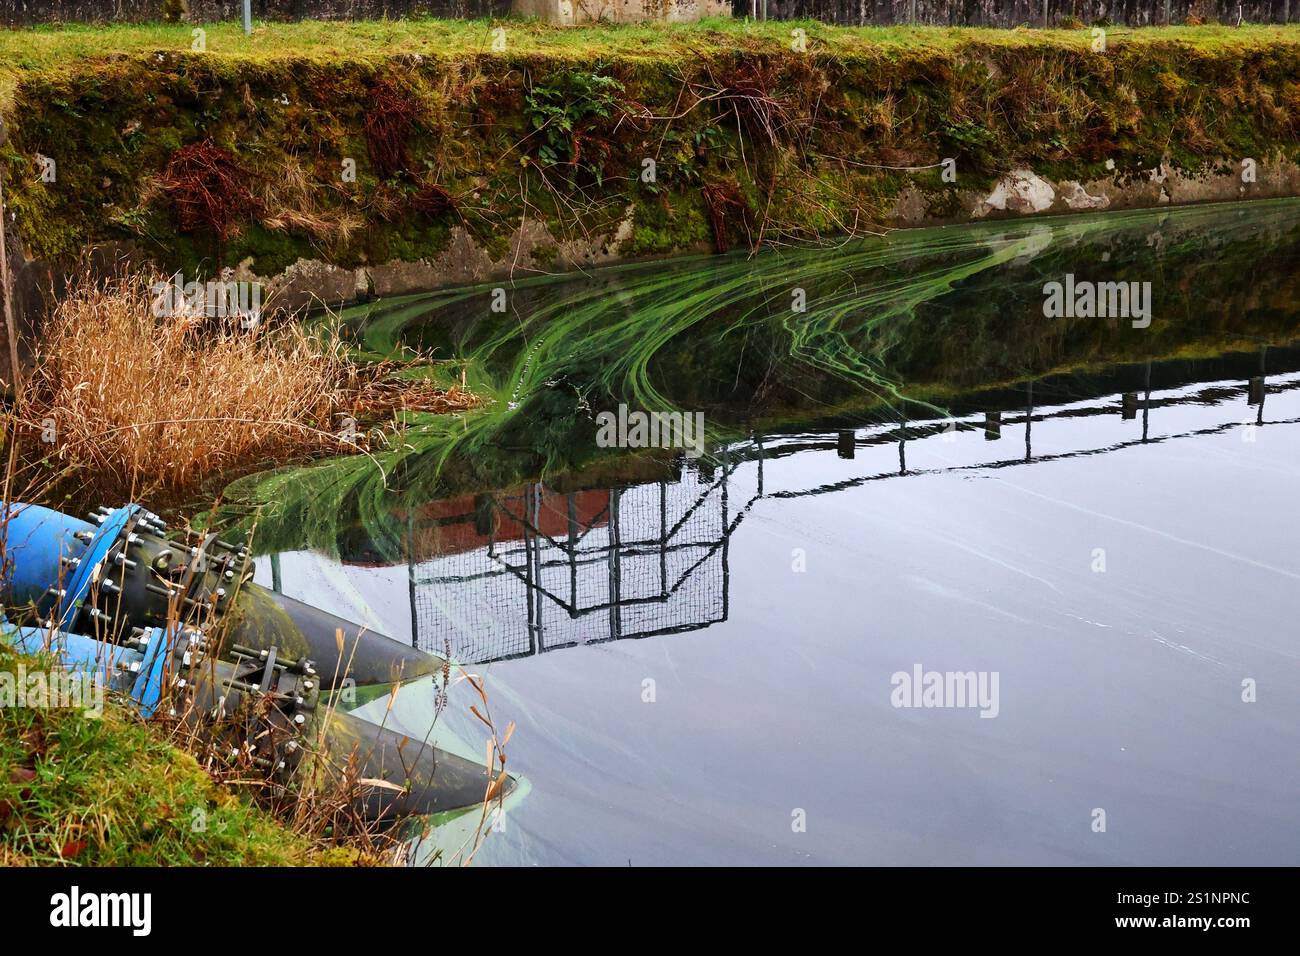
(43, 47)
(370, 143)
(110, 791)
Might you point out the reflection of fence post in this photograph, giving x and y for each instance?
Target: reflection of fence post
(663, 538)
(572, 500)
(1255, 387)
(1259, 415)
(1029, 419)
(532, 558)
(614, 589)
(410, 578)
(992, 426)
(1146, 401)
(726, 538)
(1128, 406)
(844, 446)
(902, 444)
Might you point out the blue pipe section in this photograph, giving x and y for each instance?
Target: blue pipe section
(37, 542)
(125, 670)
(35, 538)
(148, 686)
(74, 593)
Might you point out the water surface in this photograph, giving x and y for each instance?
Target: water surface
(926, 472)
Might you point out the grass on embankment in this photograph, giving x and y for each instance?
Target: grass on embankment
(43, 47)
(110, 791)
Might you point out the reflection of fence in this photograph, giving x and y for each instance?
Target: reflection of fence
(557, 569)
(891, 449)
(533, 570)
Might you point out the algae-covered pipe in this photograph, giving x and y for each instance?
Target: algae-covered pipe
(342, 649)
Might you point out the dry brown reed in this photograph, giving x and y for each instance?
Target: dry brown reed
(130, 402)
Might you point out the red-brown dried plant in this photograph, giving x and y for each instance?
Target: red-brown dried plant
(208, 189)
(391, 116)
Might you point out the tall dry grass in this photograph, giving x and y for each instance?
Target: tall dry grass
(131, 403)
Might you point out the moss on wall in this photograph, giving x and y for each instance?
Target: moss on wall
(812, 144)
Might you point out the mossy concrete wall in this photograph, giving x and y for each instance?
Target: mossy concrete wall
(346, 177)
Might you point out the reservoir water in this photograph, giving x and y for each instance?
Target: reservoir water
(710, 660)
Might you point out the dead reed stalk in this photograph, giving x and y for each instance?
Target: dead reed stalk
(131, 402)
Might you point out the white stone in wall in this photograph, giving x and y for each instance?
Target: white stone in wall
(1020, 191)
(1076, 197)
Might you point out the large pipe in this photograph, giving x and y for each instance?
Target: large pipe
(122, 572)
(262, 618)
(151, 615)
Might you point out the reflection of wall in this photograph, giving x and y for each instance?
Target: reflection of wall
(469, 522)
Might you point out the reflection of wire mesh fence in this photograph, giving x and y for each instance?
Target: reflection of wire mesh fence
(542, 570)
(534, 570)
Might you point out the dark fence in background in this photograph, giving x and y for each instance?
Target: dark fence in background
(28, 12)
(1011, 13)
(988, 13)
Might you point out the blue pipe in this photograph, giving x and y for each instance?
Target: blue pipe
(74, 594)
(124, 669)
(35, 539)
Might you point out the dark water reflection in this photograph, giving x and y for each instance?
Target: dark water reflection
(701, 654)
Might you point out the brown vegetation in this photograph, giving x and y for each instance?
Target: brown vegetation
(208, 189)
(130, 402)
(390, 119)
